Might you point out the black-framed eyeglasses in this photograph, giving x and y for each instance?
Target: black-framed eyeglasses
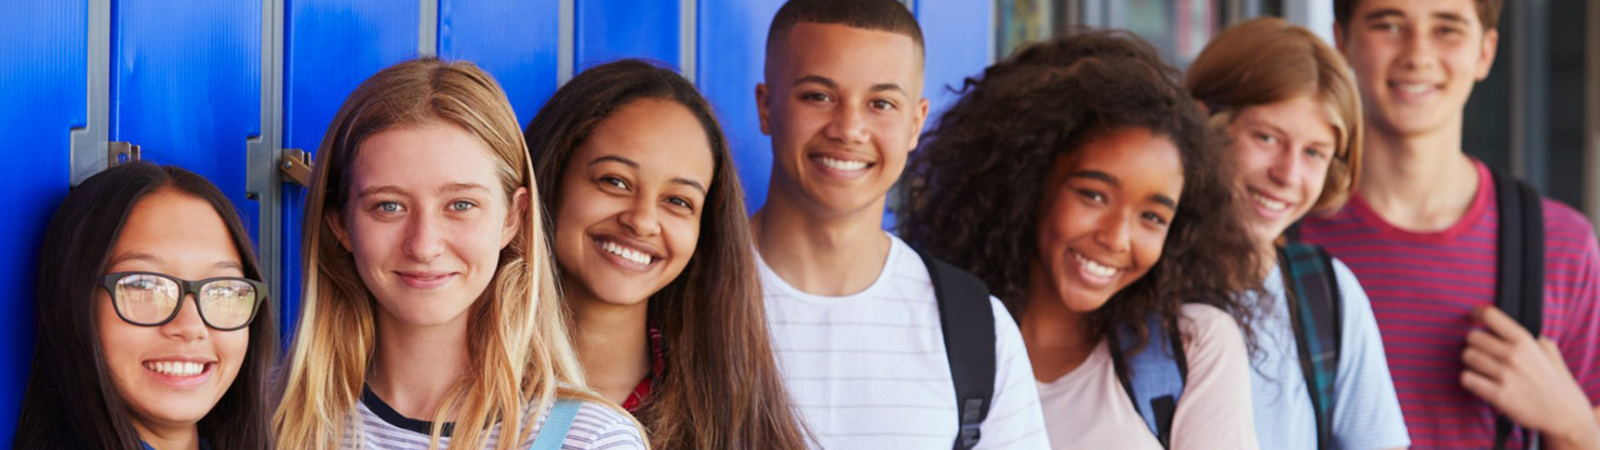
(152, 299)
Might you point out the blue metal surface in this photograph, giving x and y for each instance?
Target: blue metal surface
(612, 29)
(186, 86)
(43, 58)
(731, 39)
(515, 40)
(332, 46)
(959, 37)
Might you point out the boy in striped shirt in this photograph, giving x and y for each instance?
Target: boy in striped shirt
(856, 326)
(1421, 234)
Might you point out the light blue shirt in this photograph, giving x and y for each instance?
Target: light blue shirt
(1366, 413)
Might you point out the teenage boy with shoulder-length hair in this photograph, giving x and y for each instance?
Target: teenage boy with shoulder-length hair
(1425, 235)
(855, 313)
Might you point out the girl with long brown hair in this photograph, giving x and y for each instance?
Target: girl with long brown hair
(653, 248)
(431, 316)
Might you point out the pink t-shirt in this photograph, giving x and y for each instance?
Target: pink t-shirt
(1088, 408)
(1423, 285)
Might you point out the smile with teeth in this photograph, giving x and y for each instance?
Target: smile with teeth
(841, 164)
(627, 253)
(1269, 204)
(1413, 88)
(1095, 268)
(176, 368)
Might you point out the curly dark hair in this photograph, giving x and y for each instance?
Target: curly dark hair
(972, 193)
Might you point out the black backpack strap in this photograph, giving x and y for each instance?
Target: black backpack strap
(1316, 315)
(1519, 279)
(967, 319)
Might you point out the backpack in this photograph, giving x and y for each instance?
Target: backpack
(967, 321)
(1154, 377)
(554, 431)
(1520, 254)
(1316, 315)
(1519, 278)
(1156, 382)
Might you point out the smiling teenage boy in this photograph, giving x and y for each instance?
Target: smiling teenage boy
(855, 314)
(1423, 234)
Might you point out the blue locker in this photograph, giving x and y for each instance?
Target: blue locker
(608, 30)
(514, 40)
(331, 47)
(44, 58)
(731, 40)
(959, 39)
(186, 86)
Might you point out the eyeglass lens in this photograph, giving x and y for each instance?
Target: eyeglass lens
(150, 299)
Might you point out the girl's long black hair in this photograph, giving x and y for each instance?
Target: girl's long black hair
(71, 402)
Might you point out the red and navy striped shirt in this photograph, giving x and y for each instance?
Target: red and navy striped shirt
(1423, 285)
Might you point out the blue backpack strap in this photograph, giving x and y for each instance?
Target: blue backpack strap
(554, 431)
(1519, 278)
(1316, 316)
(1154, 376)
(967, 321)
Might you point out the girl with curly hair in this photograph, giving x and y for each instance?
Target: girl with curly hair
(1083, 185)
(1292, 112)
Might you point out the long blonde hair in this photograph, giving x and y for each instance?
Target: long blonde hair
(1267, 60)
(518, 347)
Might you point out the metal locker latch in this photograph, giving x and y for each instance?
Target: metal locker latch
(120, 153)
(296, 165)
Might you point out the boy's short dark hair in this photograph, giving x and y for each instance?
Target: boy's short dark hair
(1488, 12)
(877, 15)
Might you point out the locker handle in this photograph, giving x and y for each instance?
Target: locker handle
(121, 153)
(296, 165)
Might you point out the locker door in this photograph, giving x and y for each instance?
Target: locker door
(960, 42)
(731, 37)
(186, 87)
(44, 59)
(331, 47)
(514, 40)
(608, 30)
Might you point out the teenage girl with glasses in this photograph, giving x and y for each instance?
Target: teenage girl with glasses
(153, 332)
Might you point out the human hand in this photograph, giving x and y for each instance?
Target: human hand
(1527, 380)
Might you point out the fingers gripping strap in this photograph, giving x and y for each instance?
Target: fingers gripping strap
(1519, 280)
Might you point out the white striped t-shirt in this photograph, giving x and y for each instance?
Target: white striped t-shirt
(596, 427)
(868, 370)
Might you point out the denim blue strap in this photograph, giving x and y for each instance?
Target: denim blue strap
(554, 430)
